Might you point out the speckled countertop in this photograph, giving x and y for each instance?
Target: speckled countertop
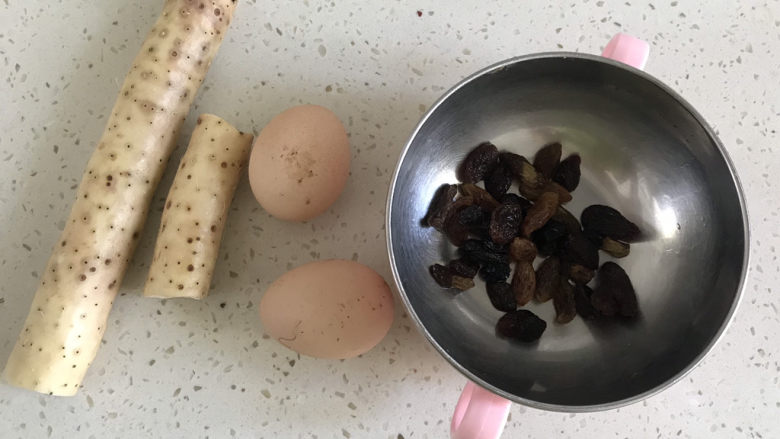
(204, 369)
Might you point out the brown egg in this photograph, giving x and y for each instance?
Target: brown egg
(300, 163)
(328, 309)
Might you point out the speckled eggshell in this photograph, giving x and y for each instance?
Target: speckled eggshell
(328, 309)
(300, 163)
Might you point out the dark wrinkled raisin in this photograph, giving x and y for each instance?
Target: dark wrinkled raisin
(505, 223)
(463, 268)
(542, 210)
(437, 209)
(567, 174)
(550, 238)
(614, 293)
(604, 303)
(616, 249)
(481, 197)
(472, 216)
(510, 198)
(547, 279)
(482, 252)
(522, 250)
(456, 232)
(475, 219)
(607, 221)
(580, 250)
(501, 296)
(445, 277)
(521, 325)
(494, 247)
(471, 245)
(547, 158)
(565, 217)
(498, 272)
(498, 180)
(523, 282)
(442, 275)
(585, 309)
(593, 237)
(563, 302)
(579, 274)
(478, 163)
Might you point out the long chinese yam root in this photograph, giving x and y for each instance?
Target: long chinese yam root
(68, 315)
(196, 210)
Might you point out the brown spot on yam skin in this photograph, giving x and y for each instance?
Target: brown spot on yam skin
(136, 144)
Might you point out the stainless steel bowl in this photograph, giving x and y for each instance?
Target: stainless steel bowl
(646, 152)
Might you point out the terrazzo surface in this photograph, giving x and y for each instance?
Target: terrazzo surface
(205, 369)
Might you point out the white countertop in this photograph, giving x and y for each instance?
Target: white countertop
(203, 369)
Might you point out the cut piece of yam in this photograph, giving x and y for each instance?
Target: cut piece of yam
(196, 210)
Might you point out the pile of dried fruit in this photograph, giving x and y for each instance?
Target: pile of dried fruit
(494, 228)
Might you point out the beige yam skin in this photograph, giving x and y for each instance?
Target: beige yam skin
(196, 210)
(68, 315)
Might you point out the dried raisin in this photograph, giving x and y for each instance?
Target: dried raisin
(463, 268)
(513, 162)
(580, 250)
(510, 198)
(478, 163)
(547, 158)
(563, 302)
(547, 279)
(505, 223)
(565, 217)
(497, 272)
(580, 274)
(479, 252)
(501, 296)
(593, 237)
(498, 180)
(456, 232)
(472, 216)
(585, 309)
(437, 209)
(523, 282)
(616, 249)
(604, 303)
(494, 247)
(462, 283)
(614, 284)
(445, 277)
(542, 210)
(522, 250)
(607, 221)
(563, 195)
(442, 275)
(521, 325)
(549, 239)
(475, 219)
(567, 174)
(529, 181)
(481, 197)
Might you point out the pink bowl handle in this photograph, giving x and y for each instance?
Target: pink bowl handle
(628, 50)
(480, 414)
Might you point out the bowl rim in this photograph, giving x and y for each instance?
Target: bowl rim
(713, 137)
